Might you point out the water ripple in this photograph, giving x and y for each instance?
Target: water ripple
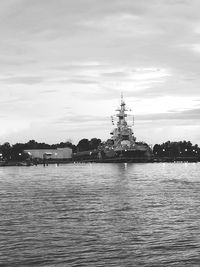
(100, 215)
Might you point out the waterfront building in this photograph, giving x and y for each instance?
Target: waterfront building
(59, 153)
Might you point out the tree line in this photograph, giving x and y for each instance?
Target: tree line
(16, 152)
(167, 149)
(176, 149)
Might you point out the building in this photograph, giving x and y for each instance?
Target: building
(59, 153)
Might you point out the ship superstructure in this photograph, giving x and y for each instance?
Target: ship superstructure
(122, 146)
(122, 136)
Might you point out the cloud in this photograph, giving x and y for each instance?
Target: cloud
(123, 25)
(77, 81)
(12, 125)
(191, 115)
(195, 47)
(5, 60)
(80, 65)
(48, 91)
(81, 119)
(22, 80)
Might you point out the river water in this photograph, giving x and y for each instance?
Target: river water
(100, 215)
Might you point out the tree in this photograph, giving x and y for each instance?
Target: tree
(6, 150)
(83, 145)
(94, 143)
(32, 144)
(157, 150)
(17, 151)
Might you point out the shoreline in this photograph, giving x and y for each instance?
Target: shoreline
(111, 160)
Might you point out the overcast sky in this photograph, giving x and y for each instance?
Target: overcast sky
(64, 64)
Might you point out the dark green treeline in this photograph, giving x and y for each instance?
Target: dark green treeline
(176, 149)
(16, 152)
(167, 149)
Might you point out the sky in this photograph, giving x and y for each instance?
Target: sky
(64, 64)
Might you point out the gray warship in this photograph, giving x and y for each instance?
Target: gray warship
(122, 146)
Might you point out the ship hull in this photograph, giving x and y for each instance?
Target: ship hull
(131, 155)
(114, 156)
(125, 160)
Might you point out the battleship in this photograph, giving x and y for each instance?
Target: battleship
(122, 146)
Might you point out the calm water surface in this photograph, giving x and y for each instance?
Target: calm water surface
(100, 215)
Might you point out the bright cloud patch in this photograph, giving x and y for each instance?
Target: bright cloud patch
(9, 126)
(196, 48)
(123, 25)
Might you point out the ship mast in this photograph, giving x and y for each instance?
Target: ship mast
(122, 113)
